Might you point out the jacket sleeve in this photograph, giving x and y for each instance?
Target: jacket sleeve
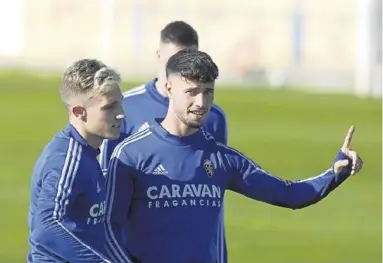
(254, 182)
(118, 200)
(59, 189)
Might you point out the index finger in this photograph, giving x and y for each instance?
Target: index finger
(347, 140)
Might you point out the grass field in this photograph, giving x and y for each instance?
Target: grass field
(291, 134)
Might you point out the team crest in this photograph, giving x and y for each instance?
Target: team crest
(209, 167)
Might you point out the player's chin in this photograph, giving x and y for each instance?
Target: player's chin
(112, 134)
(196, 124)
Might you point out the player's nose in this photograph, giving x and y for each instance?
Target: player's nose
(200, 100)
(120, 116)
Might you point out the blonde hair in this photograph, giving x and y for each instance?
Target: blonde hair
(88, 77)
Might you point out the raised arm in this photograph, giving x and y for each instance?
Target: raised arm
(119, 196)
(252, 181)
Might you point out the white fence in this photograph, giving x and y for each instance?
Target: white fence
(322, 44)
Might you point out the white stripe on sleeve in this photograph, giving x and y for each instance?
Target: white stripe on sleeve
(64, 189)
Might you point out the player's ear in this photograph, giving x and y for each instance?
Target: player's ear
(168, 87)
(79, 112)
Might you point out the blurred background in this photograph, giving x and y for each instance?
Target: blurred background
(294, 75)
(331, 45)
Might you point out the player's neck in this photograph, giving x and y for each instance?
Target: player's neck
(160, 87)
(176, 127)
(91, 139)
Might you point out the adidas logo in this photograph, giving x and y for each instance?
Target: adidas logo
(160, 170)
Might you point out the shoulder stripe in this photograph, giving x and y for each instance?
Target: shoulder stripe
(256, 166)
(132, 138)
(315, 177)
(102, 160)
(111, 243)
(101, 157)
(207, 135)
(64, 189)
(260, 169)
(241, 155)
(135, 91)
(67, 178)
(138, 88)
(73, 169)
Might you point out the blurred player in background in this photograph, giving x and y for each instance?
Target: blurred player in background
(149, 101)
(167, 182)
(67, 201)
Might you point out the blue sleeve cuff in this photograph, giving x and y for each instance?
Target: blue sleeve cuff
(342, 156)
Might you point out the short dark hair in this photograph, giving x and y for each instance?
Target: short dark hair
(193, 65)
(179, 33)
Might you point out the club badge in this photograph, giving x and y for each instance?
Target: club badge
(209, 167)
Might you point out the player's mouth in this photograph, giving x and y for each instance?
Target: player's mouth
(116, 126)
(198, 113)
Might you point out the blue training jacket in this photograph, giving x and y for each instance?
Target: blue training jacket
(67, 203)
(169, 190)
(144, 103)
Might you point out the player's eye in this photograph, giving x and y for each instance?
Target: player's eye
(110, 106)
(192, 92)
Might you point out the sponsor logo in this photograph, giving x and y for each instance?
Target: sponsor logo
(192, 195)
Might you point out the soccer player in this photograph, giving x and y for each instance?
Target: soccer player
(167, 182)
(149, 101)
(143, 104)
(67, 201)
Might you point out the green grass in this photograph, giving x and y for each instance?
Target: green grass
(291, 134)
